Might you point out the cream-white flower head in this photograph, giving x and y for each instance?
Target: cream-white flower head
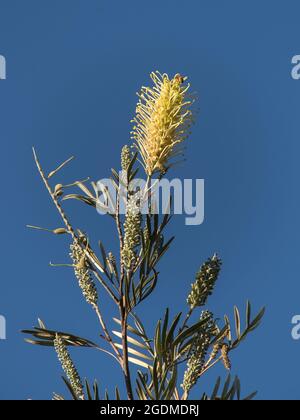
(162, 121)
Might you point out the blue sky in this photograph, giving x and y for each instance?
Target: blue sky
(73, 68)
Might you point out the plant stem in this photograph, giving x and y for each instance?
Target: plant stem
(63, 215)
(122, 306)
(106, 333)
(106, 287)
(126, 369)
(54, 199)
(189, 314)
(209, 365)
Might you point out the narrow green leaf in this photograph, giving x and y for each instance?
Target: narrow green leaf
(189, 331)
(255, 323)
(250, 397)
(168, 394)
(115, 174)
(138, 362)
(157, 339)
(227, 322)
(216, 389)
(248, 314)
(145, 386)
(171, 331)
(103, 253)
(130, 329)
(238, 388)
(131, 340)
(164, 329)
(96, 391)
(134, 352)
(88, 391)
(133, 160)
(226, 387)
(237, 322)
(117, 393)
(155, 379)
(85, 189)
(41, 324)
(141, 394)
(87, 200)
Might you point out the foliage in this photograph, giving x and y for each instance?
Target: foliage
(193, 339)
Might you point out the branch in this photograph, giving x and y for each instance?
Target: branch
(63, 215)
(126, 369)
(106, 333)
(106, 287)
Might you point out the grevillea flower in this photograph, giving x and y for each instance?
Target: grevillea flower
(68, 366)
(226, 360)
(132, 229)
(198, 352)
(126, 158)
(162, 121)
(205, 282)
(83, 274)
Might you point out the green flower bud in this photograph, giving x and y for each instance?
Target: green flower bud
(132, 229)
(83, 274)
(68, 366)
(199, 351)
(126, 157)
(205, 281)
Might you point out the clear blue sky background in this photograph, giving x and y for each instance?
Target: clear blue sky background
(73, 69)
